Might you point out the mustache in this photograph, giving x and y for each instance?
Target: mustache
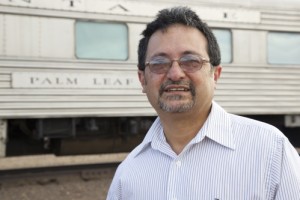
(180, 83)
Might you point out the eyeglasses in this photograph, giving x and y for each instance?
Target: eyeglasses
(188, 63)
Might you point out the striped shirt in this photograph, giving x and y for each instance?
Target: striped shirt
(231, 158)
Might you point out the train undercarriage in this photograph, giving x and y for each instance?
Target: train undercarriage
(72, 136)
(77, 136)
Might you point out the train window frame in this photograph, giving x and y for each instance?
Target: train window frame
(124, 56)
(281, 60)
(230, 60)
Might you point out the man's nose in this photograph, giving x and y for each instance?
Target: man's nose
(175, 72)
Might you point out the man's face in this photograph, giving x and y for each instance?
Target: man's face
(177, 91)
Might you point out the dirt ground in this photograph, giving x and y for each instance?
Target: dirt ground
(66, 187)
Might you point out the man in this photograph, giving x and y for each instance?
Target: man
(195, 150)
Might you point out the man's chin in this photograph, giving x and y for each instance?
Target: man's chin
(176, 107)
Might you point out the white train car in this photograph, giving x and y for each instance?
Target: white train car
(68, 74)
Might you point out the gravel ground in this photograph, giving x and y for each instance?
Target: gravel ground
(83, 186)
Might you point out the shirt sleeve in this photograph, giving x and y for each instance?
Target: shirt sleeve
(114, 192)
(288, 186)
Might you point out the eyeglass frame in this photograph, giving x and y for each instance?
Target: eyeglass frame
(179, 62)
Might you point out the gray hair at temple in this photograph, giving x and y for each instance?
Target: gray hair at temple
(178, 15)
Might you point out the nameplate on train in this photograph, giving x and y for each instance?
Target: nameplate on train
(74, 80)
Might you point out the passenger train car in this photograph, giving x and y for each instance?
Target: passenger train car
(68, 75)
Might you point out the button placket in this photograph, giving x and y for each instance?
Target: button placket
(174, 179)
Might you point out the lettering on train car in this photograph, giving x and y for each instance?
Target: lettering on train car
(69, 80)
(53, 81)
(110, 81)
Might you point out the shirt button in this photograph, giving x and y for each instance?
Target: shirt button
(178, 163)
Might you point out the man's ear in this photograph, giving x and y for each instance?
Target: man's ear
(217, 73)
(142, 79)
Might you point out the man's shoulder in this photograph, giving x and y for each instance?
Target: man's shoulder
(246, 121)
(254, 128)
(244, 124)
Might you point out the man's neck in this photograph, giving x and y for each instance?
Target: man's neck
(181, 128)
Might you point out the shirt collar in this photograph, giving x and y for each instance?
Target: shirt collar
(217, 128)
(155, 130)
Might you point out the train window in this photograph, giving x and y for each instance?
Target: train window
(283, 48)
(225, 42)
(103, 41)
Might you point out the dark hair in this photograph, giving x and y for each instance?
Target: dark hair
(178, 15)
